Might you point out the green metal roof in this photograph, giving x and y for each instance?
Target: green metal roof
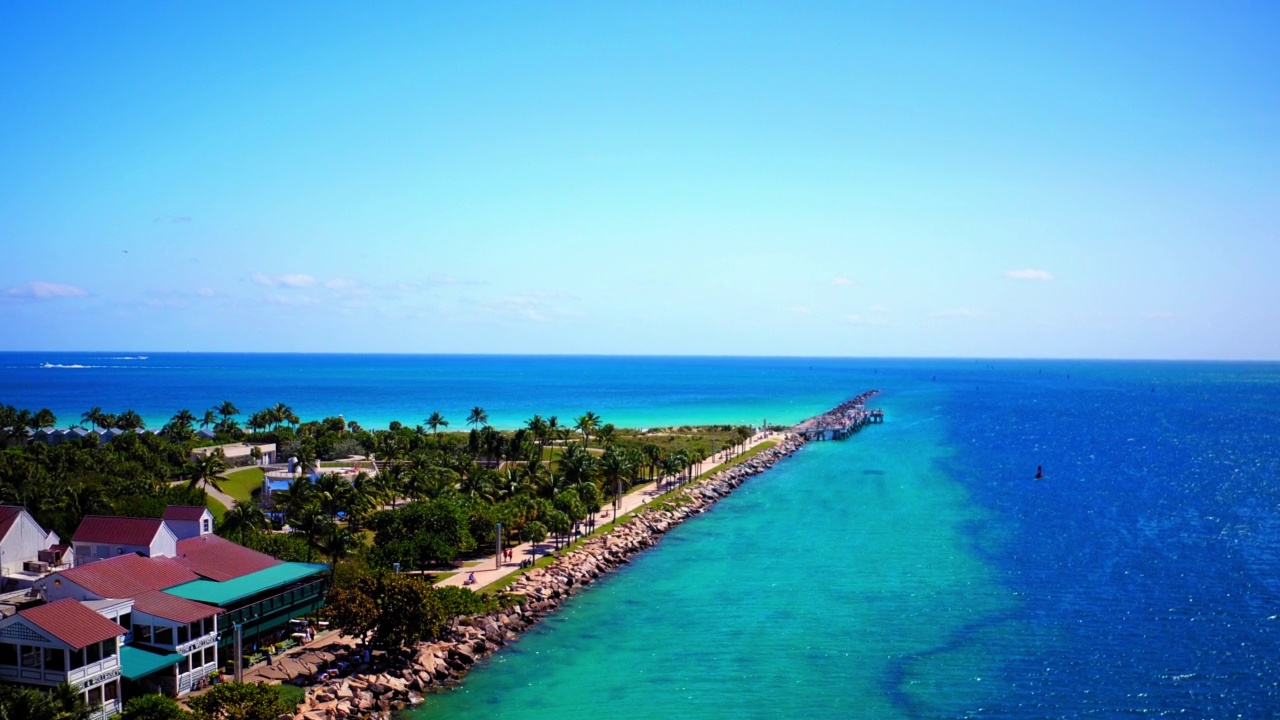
(136, 662)
(226, 593)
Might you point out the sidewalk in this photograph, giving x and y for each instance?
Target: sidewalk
(486, 573)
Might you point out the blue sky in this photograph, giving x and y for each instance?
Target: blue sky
(999, 179)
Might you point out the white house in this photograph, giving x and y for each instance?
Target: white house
(22, 541)
(100, 537)
(187, 521)
(60, 642)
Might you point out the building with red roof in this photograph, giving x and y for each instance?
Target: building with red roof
(124, 576)
(188, 521)
(218, 559)
(64, 641)
(100, 537)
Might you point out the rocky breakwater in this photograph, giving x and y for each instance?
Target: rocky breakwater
(538, 593)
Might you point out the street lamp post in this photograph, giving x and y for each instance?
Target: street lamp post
(497, 540)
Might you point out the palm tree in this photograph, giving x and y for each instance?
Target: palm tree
(586, 424)
(183, 419)
(207, 468)
(228, 409)
(244, 517)
(615, 465)
(45, 419)
(93, 417)
(209, 419)
(477, 417)
(282, 413)
(130, 420)
(340, 543)
(653, 456)
(437, 421)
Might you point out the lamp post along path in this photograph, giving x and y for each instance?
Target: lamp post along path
(497, 541)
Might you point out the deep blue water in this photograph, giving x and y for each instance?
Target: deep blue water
(1141, 576)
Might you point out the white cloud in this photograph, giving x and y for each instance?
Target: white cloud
(801, 310)
(1028, 274)
(38, 290)
(960, 312)
(842, 281)
(206, 292)
(295, 281)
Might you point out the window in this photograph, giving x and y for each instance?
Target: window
(208, 625)
(182, 634)
(126, 621)
(209, 658)
(95, 696)
(30, 656)
(77, 659)
(8, 654)
(195, 630)
(111, 691)
(163, 635)
(142, 633)
(55, 659)
(184, 665)
(109, 648)
(92, 653)
(204, 525)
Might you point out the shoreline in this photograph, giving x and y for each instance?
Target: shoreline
(442, 664)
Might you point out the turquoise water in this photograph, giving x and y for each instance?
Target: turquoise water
(787, 600)
(916, 571)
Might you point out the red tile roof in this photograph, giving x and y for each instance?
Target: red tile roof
(127, 576)
(219, 559)
(72, 623)
(185, 513)
(117, 530)
(172, 607)
(8, 516)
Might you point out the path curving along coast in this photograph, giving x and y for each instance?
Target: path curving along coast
(440, 664)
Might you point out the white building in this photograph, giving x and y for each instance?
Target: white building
(188, 521)
(22, 543)
(60, 642)
(100, 537)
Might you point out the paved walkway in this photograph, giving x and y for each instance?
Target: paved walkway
(227, 501)
(486, 572)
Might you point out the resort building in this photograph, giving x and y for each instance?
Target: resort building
(27, 551)
(100, 537)
(152, 607)
(240, 454)
(64, 641)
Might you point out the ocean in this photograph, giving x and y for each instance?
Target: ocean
(917, 570)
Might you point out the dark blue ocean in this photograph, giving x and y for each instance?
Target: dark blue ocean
(918, 570)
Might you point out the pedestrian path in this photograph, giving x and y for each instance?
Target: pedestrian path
(487, 572)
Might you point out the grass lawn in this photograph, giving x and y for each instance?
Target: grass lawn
(291, 694)
(241, 484)
(215, 507)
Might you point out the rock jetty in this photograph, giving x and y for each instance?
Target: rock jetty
(440, 664)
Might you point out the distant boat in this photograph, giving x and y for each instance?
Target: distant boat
(1039, 472)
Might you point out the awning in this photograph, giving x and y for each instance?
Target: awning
(136, 662)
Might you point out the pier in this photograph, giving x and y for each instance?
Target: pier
(841, 421)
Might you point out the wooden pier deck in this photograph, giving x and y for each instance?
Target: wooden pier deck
(841, 421)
